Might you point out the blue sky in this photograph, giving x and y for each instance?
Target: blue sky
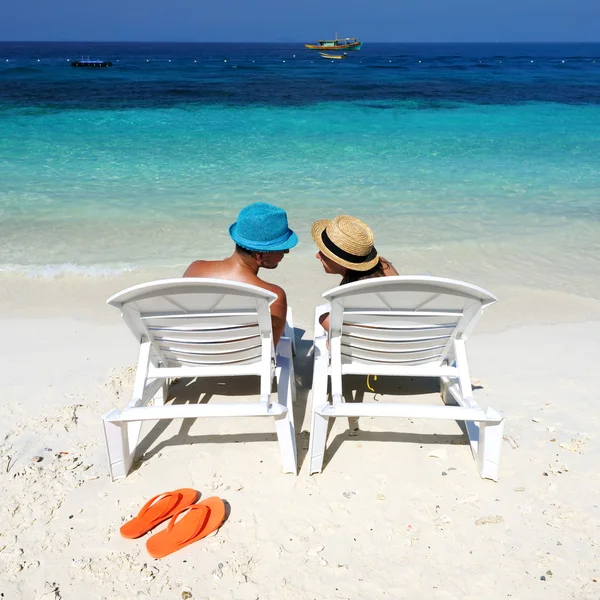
(284, 21)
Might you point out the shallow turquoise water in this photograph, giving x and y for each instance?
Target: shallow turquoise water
(98, 190)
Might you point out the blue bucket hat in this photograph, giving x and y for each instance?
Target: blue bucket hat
(264, 228)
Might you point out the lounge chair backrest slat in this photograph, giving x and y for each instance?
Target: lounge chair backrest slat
(210, 348)
(406, 320)
(403, 320)
(247, 356)
(396, 345)
(192, 321)
(207, 320)
(208, 328)
(420, 332)
(356, 356)
(208, 336)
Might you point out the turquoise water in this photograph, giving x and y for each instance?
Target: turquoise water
(95, 189)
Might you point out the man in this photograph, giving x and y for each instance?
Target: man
(262, 239)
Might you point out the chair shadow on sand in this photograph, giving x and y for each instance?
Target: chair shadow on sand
(203, 390)
(354, 389)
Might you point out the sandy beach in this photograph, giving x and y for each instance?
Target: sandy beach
(398, 512)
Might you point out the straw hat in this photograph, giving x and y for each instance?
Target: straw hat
(347, 241)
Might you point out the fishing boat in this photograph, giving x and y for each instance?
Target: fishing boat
(336, 44)
(334, 56)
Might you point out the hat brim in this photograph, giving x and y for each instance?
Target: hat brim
(317, 231)
(277, 246)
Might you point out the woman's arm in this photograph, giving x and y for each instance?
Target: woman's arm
(324, 320)
(388, 268)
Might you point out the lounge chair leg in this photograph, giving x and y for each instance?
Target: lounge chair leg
(292, 380)
(286, 432)
(319, 423)
(121, 441)
(318, 439)
(488, 449)
(161, 395)
(445, 385)
(353, 422)
(287, 442)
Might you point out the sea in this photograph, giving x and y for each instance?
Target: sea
(473, 160)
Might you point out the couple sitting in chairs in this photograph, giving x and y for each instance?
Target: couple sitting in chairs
(223, 320)
(263, 238)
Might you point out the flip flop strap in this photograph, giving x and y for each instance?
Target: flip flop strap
(173, 499)
(198, 512)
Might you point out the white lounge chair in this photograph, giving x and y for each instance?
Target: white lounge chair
(192, 327)
(408, 327)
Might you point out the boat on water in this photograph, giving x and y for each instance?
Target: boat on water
(334, 56)
(86, 62)
(336, 44)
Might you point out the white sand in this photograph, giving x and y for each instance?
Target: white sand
(398, 512)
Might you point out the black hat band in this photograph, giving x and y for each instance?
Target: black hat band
(352, 258)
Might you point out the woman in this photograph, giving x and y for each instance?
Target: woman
(346, 248)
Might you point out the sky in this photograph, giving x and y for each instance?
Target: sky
(285, 21)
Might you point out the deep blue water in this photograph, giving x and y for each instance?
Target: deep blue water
(164, 75)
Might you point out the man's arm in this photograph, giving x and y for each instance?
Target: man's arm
(278, 311)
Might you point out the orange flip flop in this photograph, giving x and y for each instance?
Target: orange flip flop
(158, 509)
(199, 521)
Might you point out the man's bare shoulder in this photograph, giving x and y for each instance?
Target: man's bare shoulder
(265, 285)
(220, 270)
(202, 268)
(271, 287)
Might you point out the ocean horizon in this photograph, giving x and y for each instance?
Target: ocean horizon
(464, 158)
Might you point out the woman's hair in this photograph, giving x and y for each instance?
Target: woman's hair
(377, 271)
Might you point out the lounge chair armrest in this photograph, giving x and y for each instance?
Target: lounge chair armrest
(289, 329)
(320, 348)
(319, 312)
(319, 331)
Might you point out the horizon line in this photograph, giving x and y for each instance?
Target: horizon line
(280, 42)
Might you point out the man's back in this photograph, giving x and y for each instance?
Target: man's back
(232, 271)
(263, 228)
